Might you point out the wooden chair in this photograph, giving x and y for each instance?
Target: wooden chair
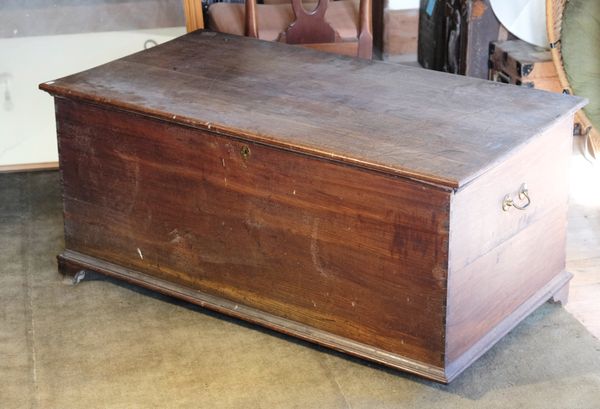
(343, 27)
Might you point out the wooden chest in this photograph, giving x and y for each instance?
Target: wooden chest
(351, 203)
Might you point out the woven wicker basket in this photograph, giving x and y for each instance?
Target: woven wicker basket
(554, 16)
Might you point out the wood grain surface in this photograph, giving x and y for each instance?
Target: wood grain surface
(434, 127)
(477, 209)
(482, 294)
(71, 262)
(348, 251)
(499, 259)
(351, 203)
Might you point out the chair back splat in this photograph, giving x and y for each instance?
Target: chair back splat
(309, 27)
(338, 26)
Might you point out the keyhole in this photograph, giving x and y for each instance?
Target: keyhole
(245, 151)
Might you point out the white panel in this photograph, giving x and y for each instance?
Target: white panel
(27, 126)
(403, 4)
(525, 19)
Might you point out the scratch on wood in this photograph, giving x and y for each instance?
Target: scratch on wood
(314, 248)
(136, 187)
(140, 253)
(176, 238)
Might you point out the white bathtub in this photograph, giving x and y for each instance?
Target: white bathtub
(27, 127)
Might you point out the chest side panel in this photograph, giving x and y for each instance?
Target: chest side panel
(355, 253)
(500, 259)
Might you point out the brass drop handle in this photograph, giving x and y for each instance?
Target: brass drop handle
(523, 195)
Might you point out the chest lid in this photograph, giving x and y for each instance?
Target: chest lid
(438, 128)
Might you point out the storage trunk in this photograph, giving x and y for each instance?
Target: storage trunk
(455, 35)
(363, 206)
(520, 63)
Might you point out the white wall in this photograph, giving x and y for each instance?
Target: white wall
(403, 4)
(27, 126)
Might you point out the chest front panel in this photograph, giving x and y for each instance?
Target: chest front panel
(352, 252)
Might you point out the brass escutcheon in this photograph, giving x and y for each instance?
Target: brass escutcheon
(245, 151)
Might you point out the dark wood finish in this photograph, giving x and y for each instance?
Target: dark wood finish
(429, 126)
(365, 29)
(556, 286)
(520, 63)
(522, 60)
(71, 262)
(482, 294)
(477, 209)
(309, 27)
(348, 49)
(546, 84)
(378, 10)
(289, 235)
(69, 267)
(494, 271)
(290, 197)
(456, 36)
(250, 22)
